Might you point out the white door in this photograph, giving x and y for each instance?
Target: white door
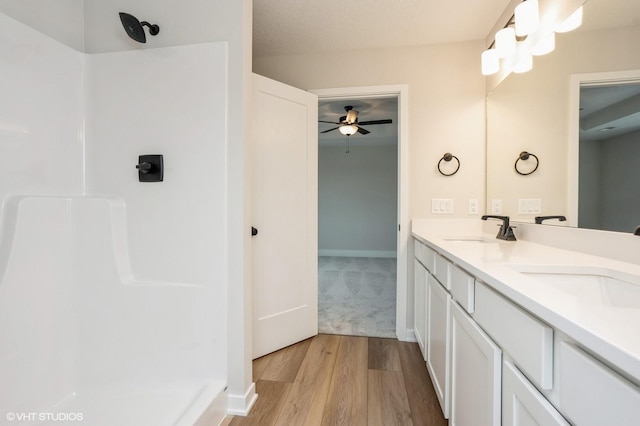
(285, 214)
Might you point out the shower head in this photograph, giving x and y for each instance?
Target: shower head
(134, 28)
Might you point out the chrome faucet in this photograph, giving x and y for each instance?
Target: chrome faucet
(506, 231)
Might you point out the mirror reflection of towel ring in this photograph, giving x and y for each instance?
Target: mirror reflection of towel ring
(448, 157)
(524, 156)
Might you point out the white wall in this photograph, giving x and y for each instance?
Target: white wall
(357, 201)
(446, 108)
(41, 145)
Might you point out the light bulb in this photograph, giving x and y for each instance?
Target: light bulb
(545, 45)
(506, 42)
(571, 23)
(523, 60)
(348, 129)
(490, 62)
(527, 17)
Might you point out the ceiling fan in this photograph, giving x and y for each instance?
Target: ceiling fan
(349, 125)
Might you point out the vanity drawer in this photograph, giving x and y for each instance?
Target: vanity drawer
(528, 340)
(462, 287)
(592, 394)
(442, 271)
(424, 254)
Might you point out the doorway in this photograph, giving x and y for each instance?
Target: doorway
(363, 222)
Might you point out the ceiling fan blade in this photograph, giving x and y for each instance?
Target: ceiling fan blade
(366, 123)
(330, 122)
(330, 130)
(363, 131)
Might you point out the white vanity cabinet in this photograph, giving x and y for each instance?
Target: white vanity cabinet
(495, 358)
(522, 404)
(591, 394)
(420, 304)
(475, 373)
(438, 340)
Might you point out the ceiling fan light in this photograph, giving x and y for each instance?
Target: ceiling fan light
(527, 17)
(571, 23)
(506, 42)
(348, 129)
(490, 62)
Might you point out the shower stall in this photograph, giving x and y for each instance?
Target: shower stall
(112, 289)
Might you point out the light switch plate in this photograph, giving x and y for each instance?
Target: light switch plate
(529, 205)
(441, 206)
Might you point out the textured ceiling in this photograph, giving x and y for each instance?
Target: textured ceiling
(290, 27)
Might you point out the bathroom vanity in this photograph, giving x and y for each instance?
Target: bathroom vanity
(520, 333)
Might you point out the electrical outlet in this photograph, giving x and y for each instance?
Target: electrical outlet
(473, 206)
(496, 206)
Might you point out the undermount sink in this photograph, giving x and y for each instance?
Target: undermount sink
(588, 284)
(470, 239)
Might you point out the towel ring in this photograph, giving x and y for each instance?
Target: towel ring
(448, 157)
(524, 156)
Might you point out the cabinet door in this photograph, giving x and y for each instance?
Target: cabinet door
(438, 335)
(475, 373)
(522, 404)
(420, 304)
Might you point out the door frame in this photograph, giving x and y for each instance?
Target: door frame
(401, 92)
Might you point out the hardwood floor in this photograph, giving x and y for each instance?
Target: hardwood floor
(343, 380)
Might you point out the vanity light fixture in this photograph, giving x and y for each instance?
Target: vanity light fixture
(523, 61)
(527, 17)
(526, 34)
(572, 22)
(546, 45)
(506, 42)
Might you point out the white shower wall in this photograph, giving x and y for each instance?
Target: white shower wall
(41, 145)
(112, 292)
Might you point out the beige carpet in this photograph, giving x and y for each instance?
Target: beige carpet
(357, 296)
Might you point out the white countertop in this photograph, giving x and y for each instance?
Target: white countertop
(607, 326)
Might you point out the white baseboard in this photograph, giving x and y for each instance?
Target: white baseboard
(358, 253)
(408, 336)
(240, 405)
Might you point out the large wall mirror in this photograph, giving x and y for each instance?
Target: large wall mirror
(537, 111)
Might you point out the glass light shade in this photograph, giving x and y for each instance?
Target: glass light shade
(506, 42)
(527, 17)
(348, 129)
(571, 23)
(545, 45)
(523, 60)
(490, 62)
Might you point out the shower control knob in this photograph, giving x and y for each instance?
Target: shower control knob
(144, 167)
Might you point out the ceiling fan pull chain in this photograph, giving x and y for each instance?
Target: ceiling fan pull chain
(347, 144)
